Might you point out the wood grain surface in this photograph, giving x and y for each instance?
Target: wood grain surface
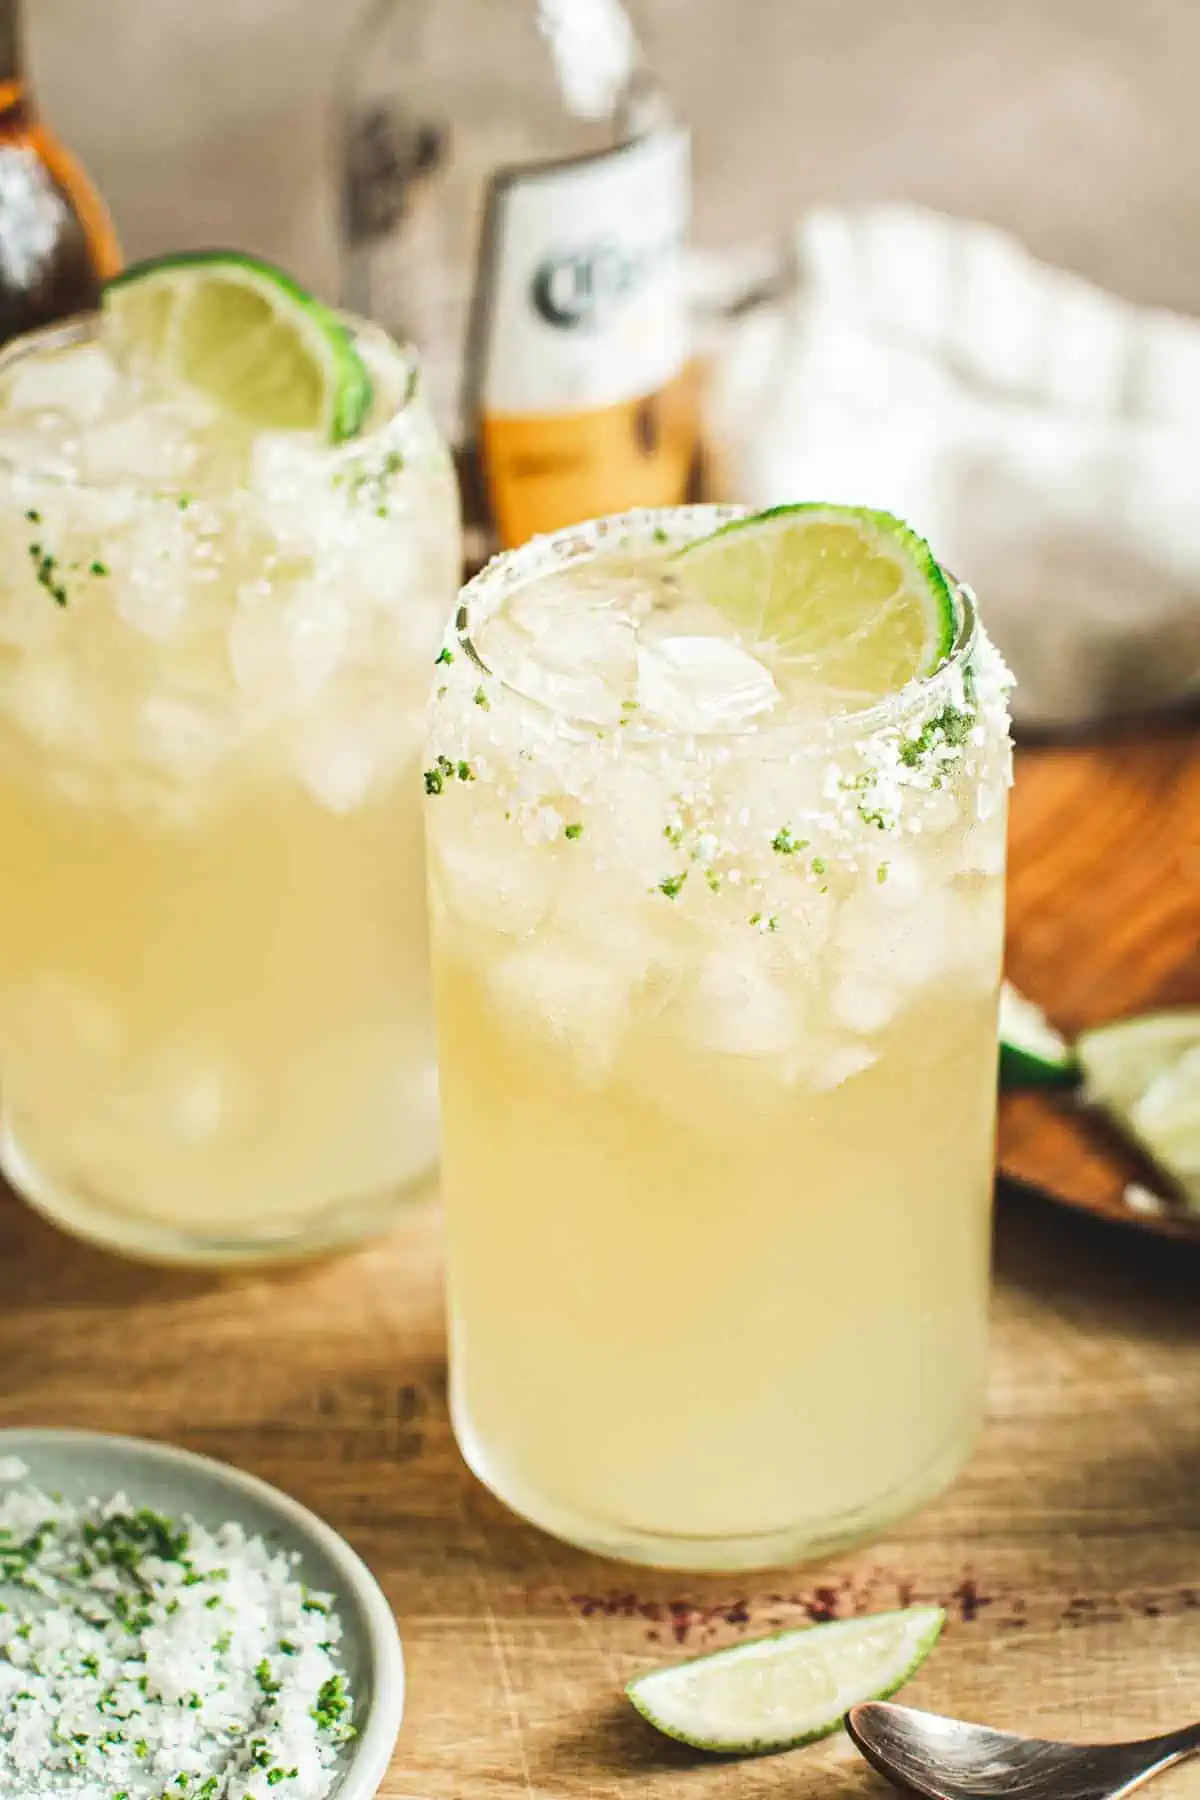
(1068, 1554)
(1104, 921)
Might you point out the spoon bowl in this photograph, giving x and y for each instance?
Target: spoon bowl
(947, 1759)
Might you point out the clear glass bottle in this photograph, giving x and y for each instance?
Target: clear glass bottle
(57, 243)
(514, 200)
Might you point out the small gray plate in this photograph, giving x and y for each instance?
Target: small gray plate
(83, 1465)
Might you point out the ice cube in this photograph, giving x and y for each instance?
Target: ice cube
(201, 1106)
(184, 736)
(581, 663)
(151, 446)
(702, 683)
(285, 648)
(832, 1065)
(295, 497)
(625, 826)
(491, 879)
(568, 996)
(188, 1094)
(153, 601)
(46, 699)
(81, 383)
(340, 761)
(864, 1000)
(739, 1005)
(983, 848)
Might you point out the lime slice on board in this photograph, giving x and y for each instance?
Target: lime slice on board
(836, 596)
(1145, 1072)
(245, 335)
(1032, 1052)
(789, 1689)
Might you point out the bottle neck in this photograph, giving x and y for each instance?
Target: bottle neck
(11, 59)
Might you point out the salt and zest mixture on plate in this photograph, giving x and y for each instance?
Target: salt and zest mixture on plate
(143, 1658)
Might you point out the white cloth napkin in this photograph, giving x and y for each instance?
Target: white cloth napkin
(1043, 435)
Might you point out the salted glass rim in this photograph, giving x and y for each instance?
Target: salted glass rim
(482, 596)
(84, 327)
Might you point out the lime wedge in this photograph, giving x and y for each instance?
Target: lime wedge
(1145, 1073)
(789, 1689)
(1032, 1053)
(835, 596)
(1119, 1062)
(245, 335)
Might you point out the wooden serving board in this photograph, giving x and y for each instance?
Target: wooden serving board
(1067, 1555)
(1104, 921)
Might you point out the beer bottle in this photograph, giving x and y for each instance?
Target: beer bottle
(57, 243)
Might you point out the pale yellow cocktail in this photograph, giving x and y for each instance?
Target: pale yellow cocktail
(716, 963)
(215, 1031)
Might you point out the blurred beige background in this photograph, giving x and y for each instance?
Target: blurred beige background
(1073, 122)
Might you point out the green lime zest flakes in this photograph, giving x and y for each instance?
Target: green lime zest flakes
(881, 873)
(45, 573)
(713, 880)
(672, 887)
(785, 844)
(951, 727)
(124, 1539)
(445, 656)
(34, 517)
(817, 865)
(661, 535)
(573, 831)
(99, 568)
(332, 1706)
(764, 921)
(369, 483)
(16, 1559)
(443, 771)
(481, 700)
(878, 816)
(265, 1679)
(674, 833)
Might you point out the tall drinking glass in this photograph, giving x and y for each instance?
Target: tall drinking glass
(716, 1006)
(215, 1028)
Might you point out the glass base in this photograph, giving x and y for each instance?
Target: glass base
(805, 1542)
(97, 1220)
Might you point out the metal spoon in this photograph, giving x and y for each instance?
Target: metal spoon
(946, 1759)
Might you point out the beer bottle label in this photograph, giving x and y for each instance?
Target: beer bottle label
(576, 376)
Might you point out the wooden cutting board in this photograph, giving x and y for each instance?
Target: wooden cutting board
(1104, 921)
(1067, 1555)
